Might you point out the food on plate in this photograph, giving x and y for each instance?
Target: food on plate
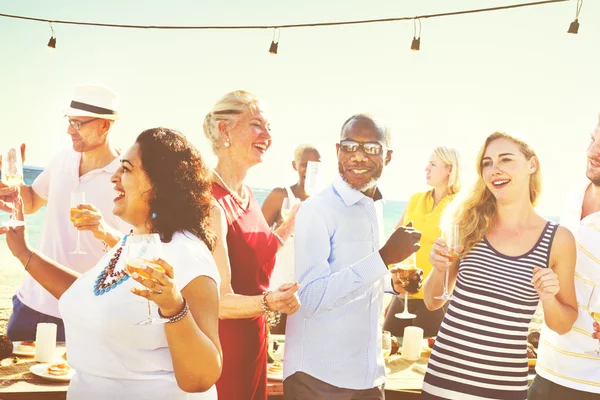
(26, 347)
(534, 338)
(395, 345)
(274, 368)
(431, 342)
(59, 369)
(6, 347)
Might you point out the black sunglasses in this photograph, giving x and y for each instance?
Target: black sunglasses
(350, 146)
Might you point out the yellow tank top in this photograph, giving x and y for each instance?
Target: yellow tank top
(426, 219)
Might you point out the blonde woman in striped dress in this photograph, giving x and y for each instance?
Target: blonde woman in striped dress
(512, 259)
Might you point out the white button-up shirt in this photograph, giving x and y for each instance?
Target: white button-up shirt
(563, 358)
(335, 336)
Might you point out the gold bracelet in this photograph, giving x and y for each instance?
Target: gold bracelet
(28, 259)
(272, 316)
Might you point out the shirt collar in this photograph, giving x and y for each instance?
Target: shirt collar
(351, 196)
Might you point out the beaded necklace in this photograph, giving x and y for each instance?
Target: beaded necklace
(108, 278)
(240, 199)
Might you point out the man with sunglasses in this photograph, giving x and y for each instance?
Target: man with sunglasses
(86, 167)
(333, 343)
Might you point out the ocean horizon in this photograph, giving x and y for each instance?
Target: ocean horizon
(392, 209)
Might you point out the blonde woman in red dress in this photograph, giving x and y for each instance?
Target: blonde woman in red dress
(246, 247)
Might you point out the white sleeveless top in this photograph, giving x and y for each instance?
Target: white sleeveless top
(284, 262)
(562, 358)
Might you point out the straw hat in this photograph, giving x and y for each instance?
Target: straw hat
(94, 101)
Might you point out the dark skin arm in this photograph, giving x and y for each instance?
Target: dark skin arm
(271, 207)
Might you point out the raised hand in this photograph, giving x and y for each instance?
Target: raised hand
(90, 219)
(545, 282)
(160, 287)
(402, 243)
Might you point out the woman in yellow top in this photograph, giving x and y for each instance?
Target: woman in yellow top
(425, 210)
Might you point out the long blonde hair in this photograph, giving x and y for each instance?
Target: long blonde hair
(227, 108)
(474, 213)
(451, 158)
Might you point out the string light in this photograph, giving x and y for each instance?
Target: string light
(574, 27)
(52, 41)
(416, 42)
(274, 44)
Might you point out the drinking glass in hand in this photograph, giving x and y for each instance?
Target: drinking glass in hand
(408, 268)
(77, 198)
(594, 310)
(286, 208)
(452, 238)
(139, 251)
(312, 180)
(12, 176)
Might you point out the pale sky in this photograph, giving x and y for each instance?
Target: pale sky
(516, 70)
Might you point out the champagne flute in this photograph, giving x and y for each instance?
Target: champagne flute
(140, 250)
(386, 344)
(407, 268)
(452, 238)
(286, 208)
(312, 180)
(594, 310)
(12, 176)
(77, 198)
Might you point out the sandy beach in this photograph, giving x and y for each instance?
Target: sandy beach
(12, 274)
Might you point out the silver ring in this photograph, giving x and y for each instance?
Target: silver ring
(159, 291)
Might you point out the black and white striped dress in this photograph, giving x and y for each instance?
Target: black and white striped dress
(481, 349)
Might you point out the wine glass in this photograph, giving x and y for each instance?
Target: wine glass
(407, 268)
(312, 180)
(77, 198)
(140, 250)
(594, 310)
(386, 344)
(12, 176)
(452, 238)
(286, 208)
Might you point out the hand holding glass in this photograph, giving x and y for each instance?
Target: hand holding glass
(139, 251)
(594, 310)
(286, 207)
(12, 176)
(407, 268)
(452, 238)
(77, 198)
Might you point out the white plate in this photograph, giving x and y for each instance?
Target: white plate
(22, 353)
(275, 374)
(41, 370)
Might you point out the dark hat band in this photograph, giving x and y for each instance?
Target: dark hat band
(91, 108)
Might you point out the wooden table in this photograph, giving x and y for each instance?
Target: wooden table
(18, 383)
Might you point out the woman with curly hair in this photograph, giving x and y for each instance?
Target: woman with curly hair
(245, 252)
(161, 187)
(512, 259)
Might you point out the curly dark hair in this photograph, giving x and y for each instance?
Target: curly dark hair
(181, 196)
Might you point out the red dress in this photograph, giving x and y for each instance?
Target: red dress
(252, 248)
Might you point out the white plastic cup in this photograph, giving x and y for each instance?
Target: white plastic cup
(45, 342)
(411, 343)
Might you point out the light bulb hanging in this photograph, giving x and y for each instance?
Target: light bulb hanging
(416, 42)
(52, 41)
(574, 26)
(274, 43)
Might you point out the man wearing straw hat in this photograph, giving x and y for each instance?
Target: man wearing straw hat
(85, 168)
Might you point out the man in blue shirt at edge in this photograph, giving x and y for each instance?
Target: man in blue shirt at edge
(333, 344)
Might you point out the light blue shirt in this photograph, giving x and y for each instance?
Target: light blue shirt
(335, 336)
